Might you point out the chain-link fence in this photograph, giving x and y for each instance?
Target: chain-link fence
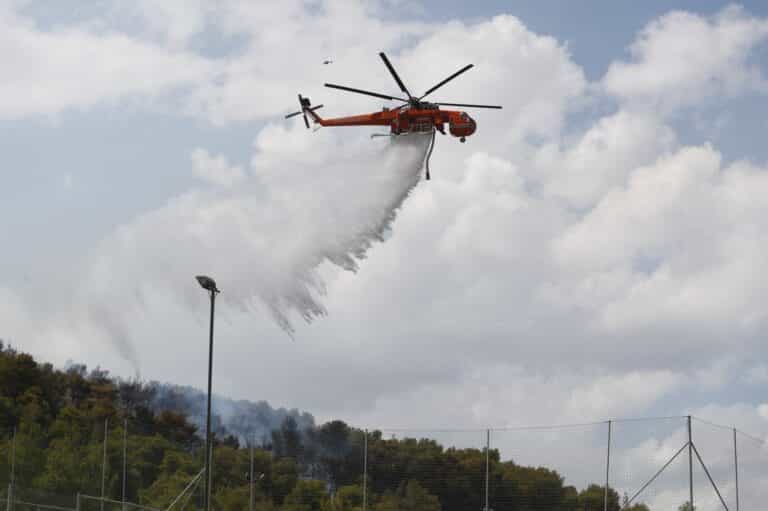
(426, 469)
(621, 464)
(104, 465)
(648, 462)
(567, 460)
(154, 463)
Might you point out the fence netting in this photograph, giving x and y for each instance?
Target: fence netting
(649, 463)
(753, 471)
(426, 470)
(102, 465)
(549, 467)
(155, 462)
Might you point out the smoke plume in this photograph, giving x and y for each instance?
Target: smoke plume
(248, 421)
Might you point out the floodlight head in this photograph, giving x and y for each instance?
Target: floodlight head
(207, 283)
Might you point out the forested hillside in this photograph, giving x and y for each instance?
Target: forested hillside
(60, 418)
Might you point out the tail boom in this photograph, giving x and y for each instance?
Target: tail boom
(374, 119)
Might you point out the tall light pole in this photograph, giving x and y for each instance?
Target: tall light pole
(209, 285)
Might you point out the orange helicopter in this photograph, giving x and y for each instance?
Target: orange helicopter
(415, 116)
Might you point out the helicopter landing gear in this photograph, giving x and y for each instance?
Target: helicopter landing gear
(463, 139)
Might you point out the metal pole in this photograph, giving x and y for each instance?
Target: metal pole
(250, 500)
(365, 470)
(208, 435)
(736, 466)
(186, 491)
(104, 463)
(690, 462)
(657, 474)
(77, 502)
(709, 476)
(487, 463)
(125, 460)
(11, 487)
(607, 467)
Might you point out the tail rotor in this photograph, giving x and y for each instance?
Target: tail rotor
(306, 106)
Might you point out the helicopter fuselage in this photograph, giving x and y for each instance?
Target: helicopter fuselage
(421, 119)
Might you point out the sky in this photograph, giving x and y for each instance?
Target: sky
(593, 251)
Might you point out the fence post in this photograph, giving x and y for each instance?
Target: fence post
(365, 470)
(736, 466)
(77, 502)
(487, 464)
(250, 496)
(125, 459)
(607, 466)
(104, 463)
(12, 485)
(690, 463)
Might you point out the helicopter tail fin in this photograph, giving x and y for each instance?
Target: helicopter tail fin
(306, 108)
(315, 117)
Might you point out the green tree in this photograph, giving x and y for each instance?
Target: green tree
(307, 495)
(410, 496)
(416, 498)
(286, 441)
(634, 507)
(348, 498)
(592, 498)
(231, 498)
(166, 488)
(334, 450)
(532, 488)
(283, 478)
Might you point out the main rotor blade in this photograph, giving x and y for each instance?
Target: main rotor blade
(294, 114)
(454, 75)
(360, 91)
(469, 106)
(394, 74)
(306, 122)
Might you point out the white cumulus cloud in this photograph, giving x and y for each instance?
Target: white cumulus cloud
(683, 57)
(215, 169)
